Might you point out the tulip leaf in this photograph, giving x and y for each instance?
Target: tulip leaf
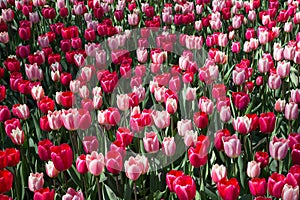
(211, 194)
(108, 193)
(74, 175)
(37, 128)
(241, 170)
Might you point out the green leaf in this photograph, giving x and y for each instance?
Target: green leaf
(242, 171)
(211, 194)
(75, 176)
(37, 128)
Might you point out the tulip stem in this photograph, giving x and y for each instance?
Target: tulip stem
(117, 184)
(99, 188)
(135, 191)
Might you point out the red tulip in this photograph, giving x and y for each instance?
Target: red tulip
(6, 180)
(12, 157)
(198, 155)
(218, 138)
(4, 113)
(67, 99)
(44, 149)
(171, 176)
(229, 189)
(184, 187)
(44, 194)
(275, 184)
(12, 64)
(62, 156)
(81, 164)
(44, 124)
(3, 162)
(201, 119)
(240, 100)
(262, 158)
(258, 186)
(11, 124)
(46, 104)
(267, 122)
(4, 197)
(108, 82)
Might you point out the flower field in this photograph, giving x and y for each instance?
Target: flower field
(158, 99)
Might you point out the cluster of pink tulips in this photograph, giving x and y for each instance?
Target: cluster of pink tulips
(126, 99)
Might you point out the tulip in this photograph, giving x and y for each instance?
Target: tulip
(200, 119)
(4, 113)
(73, 194)
(44, 149)
(46, 104)
(90, 144)
(289, 192)
(114, 162)
(70, 119)
(206, 105)
(232, 146)
(218, 172)
(242, 124)
(81, 164)
(267, 122)
(228, 189)
(95, 163)
(278, 148)
(198, 155)
(296, 153)
(170, 178)
(51, 171)
(169, 146)
(190, 94)
(283, 69)
(3, 159)
(275, 184)
(258, 186)
(295, 96)
(274, 81)
(124, 135)
(62, 156)
(253, 169)
(291, 111)
(12, 156)
(279, 105)
(183, 126)
(240, 100)
(184, 187)
(151, 143)
(161, 119)
(190, 138)
(35, 181)
(262, 158)
(17, 136)
(123, 102)
(44, 194)
(6, 180)
(218, 142)
(4, 197)
(135, 166)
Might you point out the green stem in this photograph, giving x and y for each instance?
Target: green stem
(99, 188)
(135, 191)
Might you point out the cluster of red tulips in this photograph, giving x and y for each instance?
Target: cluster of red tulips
(174, 99)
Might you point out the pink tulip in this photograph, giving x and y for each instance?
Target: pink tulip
(161, 119)
(218, 172)
(171, 105)
(232, 146)
(279, 105)
(235, 47)
(253, 169)
(295, 96)
(258, 186)
(114, 162)
(290, 193)
(283, 69)
(54, 119)
(291, 111)
(278, 148)
(206, 105)
(183, 126)
(274, 81)
(70, 119)
(135, 166)
(238, 77)
(169, 146)
(190, 94)
(33, 72)
(17, 136)
(190, 138)
(151, 143)
(37, 93)
(95, 163)
(73, 194)
(142, 55)
(242, 124)
(21, 111)
(90, 144)
(35, 181)
(51, 171)
(225, 114)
